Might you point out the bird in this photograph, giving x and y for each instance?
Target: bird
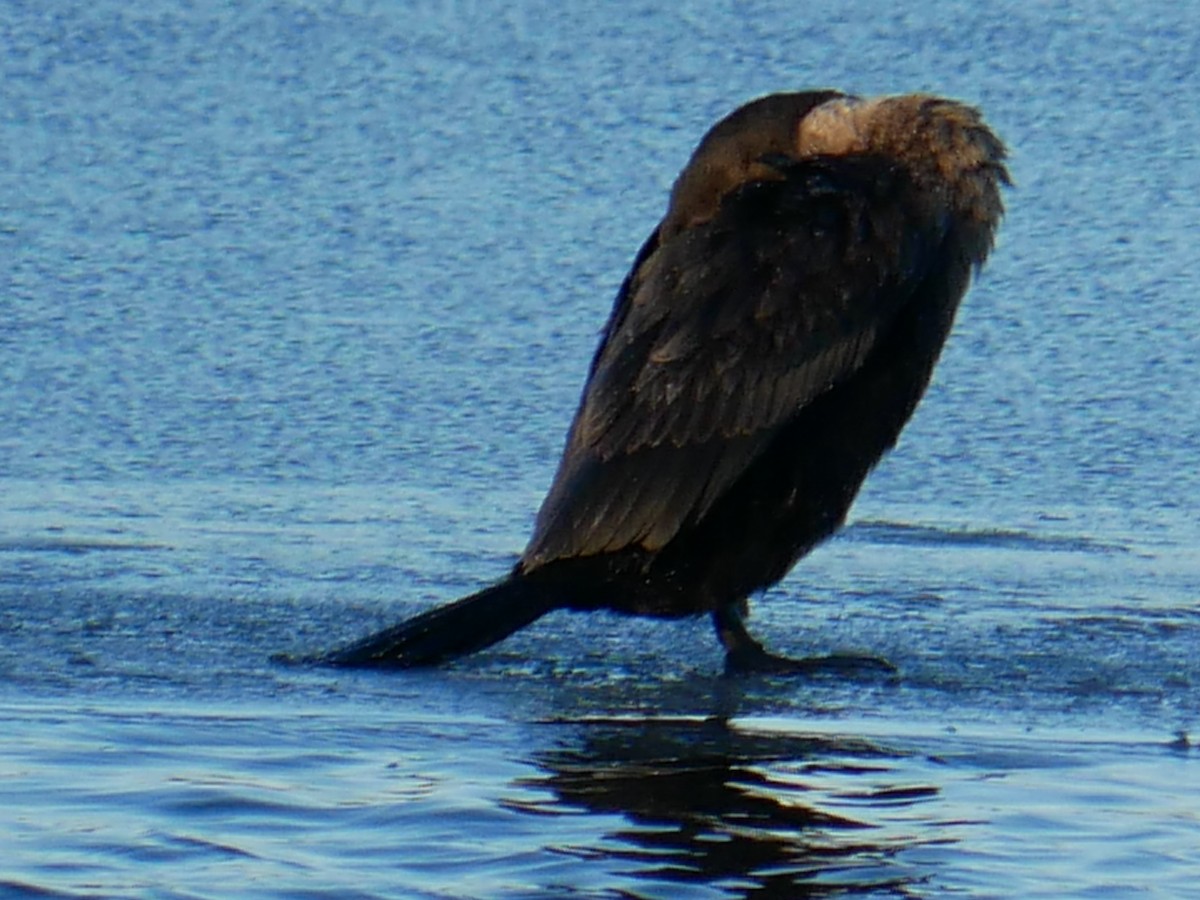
(775, 333)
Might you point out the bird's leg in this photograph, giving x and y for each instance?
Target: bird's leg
(743, 654)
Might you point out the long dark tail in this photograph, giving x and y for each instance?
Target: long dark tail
(455, 629)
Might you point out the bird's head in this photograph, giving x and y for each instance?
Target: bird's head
(943, 144)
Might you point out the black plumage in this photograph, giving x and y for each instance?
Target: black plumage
(775, 333)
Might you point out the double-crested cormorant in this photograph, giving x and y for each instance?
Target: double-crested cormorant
(775, 333)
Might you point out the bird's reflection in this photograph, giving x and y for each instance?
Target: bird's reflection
(746, 814)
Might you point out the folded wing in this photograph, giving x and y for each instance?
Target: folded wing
(721, 334)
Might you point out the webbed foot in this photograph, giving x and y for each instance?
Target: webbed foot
(744, 655)
(850, 665)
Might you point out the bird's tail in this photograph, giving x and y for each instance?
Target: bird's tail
(456, 629)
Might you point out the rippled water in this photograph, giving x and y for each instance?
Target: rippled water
(297, 305)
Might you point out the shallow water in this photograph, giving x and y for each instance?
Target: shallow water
(298, 303)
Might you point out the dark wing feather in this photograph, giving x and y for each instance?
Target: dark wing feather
(720, 334)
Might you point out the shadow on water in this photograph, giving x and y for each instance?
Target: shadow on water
(707, 808)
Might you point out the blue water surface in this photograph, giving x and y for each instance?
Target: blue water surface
(297, 302)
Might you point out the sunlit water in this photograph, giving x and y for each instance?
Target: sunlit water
(297, 301)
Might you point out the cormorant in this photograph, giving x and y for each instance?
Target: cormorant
(774, 335)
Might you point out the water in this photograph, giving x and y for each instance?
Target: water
(296, 307)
